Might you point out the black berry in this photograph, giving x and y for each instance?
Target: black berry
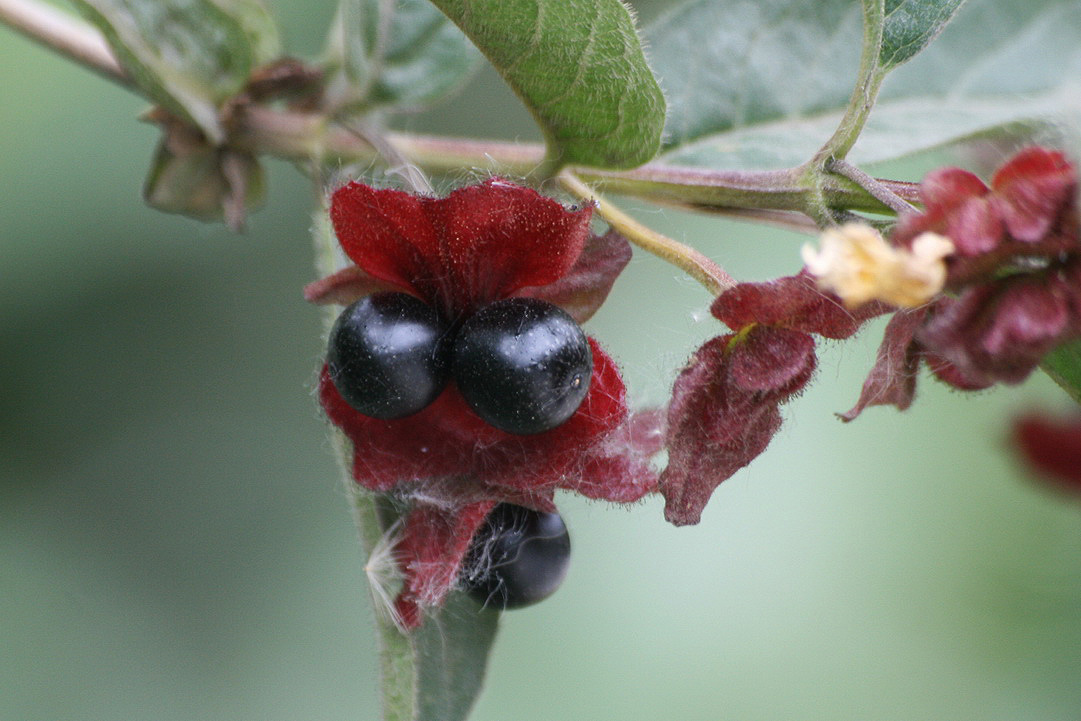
(388, 355)
(523, 365)
(517, 558)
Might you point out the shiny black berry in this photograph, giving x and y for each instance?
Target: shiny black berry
(517, 558)
(523, 365)
(388, 355)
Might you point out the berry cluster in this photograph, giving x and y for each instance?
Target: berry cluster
(522, 364)
(461, 377)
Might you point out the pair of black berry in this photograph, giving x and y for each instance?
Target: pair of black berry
(522, 364)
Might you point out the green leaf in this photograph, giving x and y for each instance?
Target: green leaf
(1064, 366)
(910, 25)
(436, 672)
(451, 656)
(753, 62)
(1002, 67)
(259, 26)
(579, 68)
(402, 53)
(188, 56)
(897, 128)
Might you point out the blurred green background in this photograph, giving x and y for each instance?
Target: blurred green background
(174, 543)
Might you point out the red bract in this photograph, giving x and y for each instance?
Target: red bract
(459, 253)
(1051, 447)
(725, 405)
(1016, 269)
(1000, 330)
(725, 411)
(1029, 210)
(793, 302)
(892, 380)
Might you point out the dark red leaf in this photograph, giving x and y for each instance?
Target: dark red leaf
(587, 284)
(892, 380)
(716, 424)
(956, 205)
(774, 362)
(619, 469)
(945, 189)
(344, 287)
(389, 235)
(951, 375)
(975, 227)
(1001, 330)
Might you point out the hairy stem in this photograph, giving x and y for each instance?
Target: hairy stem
(307, 136)
(868, 81)
(397, 662)
(65, 34)
(879, 190)
(724, 190)
(695, 264)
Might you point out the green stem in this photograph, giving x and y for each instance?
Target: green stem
(868, 81)
(302, 136)
(695, 264)
(816, 174)
(65, 34)
(725, 190)
(397, 661)
(877, 188)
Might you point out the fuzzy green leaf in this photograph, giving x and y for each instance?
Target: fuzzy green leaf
(188, 56)
(910, 25)
(579, 68)
(436, 672)
(752, 62)
(401, 53)
(778, 86)
(452, 650)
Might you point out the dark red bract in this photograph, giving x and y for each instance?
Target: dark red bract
(1051, 447)
(1016, 269)
(999, 331)
(1028, 211)
(726, 409)
(480, 244)
(725, 405)
(794, 302)
(892, 380)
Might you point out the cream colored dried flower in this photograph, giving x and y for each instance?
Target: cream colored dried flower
(857, 264)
